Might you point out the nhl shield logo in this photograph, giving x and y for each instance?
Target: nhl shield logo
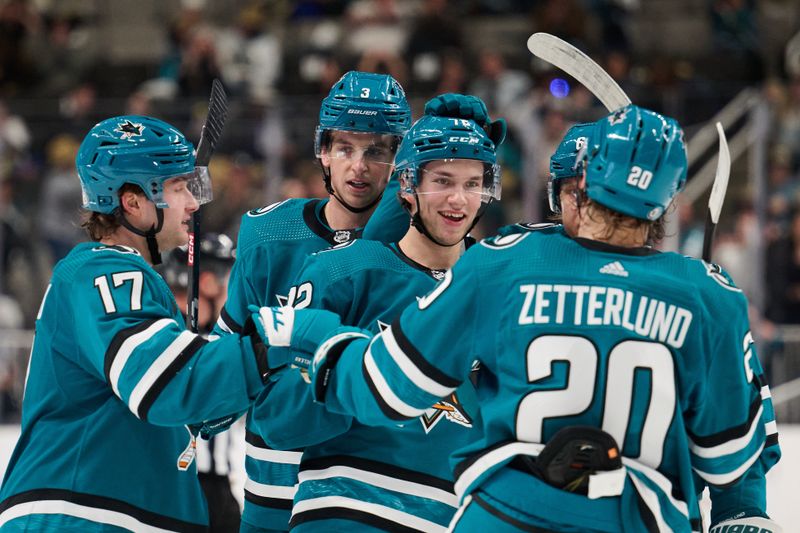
(341, 236)
(618, 116)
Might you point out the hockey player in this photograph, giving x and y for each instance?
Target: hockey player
(608, 363)
(361, 122)
(565, 171)
(365, 478)
(114, 375)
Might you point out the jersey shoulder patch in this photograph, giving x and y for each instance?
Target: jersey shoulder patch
(500, 242)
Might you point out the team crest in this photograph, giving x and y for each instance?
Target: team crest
(618, 116)
(714, 271)
(341, 236)
(449, 409)
(129, 129)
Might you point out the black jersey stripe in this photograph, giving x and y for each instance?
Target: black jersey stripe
(229, 321)
(420, 362)
(646, 514)
(284, 504)
(715, 439)
(119, 339)
(255, 439)
(522, 526)
(369, 465)
(384, 406)
(169, 373)
(104, 503)
(344, 513)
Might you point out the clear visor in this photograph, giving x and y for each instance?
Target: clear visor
(372, 148)
(485, 185)
(198, 183)
(553, 196)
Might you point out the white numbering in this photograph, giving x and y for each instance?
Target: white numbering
(365, 92)
(118, 278)
(300, 296)
(640, 178)
(623, 361)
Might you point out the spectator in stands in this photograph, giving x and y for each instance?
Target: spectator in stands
(783, 276)
(58, 218)
(499, 86)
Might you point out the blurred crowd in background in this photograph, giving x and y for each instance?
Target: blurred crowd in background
(65, 65)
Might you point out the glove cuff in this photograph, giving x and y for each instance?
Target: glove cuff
(260, 350)
(325, 360)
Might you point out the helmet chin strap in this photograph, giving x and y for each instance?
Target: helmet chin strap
(149, 235)
(416, 221)
(352, 209)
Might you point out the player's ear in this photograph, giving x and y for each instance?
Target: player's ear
(131, 202)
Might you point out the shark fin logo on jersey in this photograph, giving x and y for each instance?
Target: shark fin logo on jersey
(449, 409)
(717, 274)
(129, 129)
(342, 236)
(116, 248)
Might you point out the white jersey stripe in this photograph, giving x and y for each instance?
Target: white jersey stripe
(650, 499)
(127, 348)
(412, 372)
(386, 392)
(223, 326)
(491, 459)
(270, 491)
(381, 481)
(730, 477)
(93, 514)
(771, 427)
(157, 368)
(731, 446)
(660, 480)
(387, 513)
(765, 393)
(273, 456)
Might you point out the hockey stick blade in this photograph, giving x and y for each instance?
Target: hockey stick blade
(563, 55)
(215, 122)
(718, 190)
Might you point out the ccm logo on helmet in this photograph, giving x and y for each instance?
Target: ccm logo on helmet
(468, 140)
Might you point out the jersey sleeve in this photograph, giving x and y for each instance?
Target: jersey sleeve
(389, 222)
(132, 339)
(731, 426)
(285, 415)
(420, 359)
(248, 274)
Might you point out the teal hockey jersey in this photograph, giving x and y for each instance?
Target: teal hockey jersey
(391, 477)
(273, 242)
(113, 377)
(390, 220)
(654, 348)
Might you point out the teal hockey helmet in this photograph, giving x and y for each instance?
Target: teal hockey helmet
(565, 161)
(139, 150)
(363, 102)
(434, 138)
(636, 162)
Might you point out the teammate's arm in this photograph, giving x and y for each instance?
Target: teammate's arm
(405, 369)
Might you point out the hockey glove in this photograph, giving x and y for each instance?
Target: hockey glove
(292, 335)
(468, 107)
(747, 523)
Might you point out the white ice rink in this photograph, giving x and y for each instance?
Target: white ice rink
(783, 481)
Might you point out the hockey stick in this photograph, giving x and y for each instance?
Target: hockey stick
(718, 191)
(563, 55)
(209, 137)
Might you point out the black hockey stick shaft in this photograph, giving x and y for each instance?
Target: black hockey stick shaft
(209, 137)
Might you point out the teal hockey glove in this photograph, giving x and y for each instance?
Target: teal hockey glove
(469, 107)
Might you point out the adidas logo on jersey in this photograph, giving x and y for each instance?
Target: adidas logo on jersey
(615, 269)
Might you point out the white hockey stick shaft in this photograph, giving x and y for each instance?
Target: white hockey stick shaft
(718, 190)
